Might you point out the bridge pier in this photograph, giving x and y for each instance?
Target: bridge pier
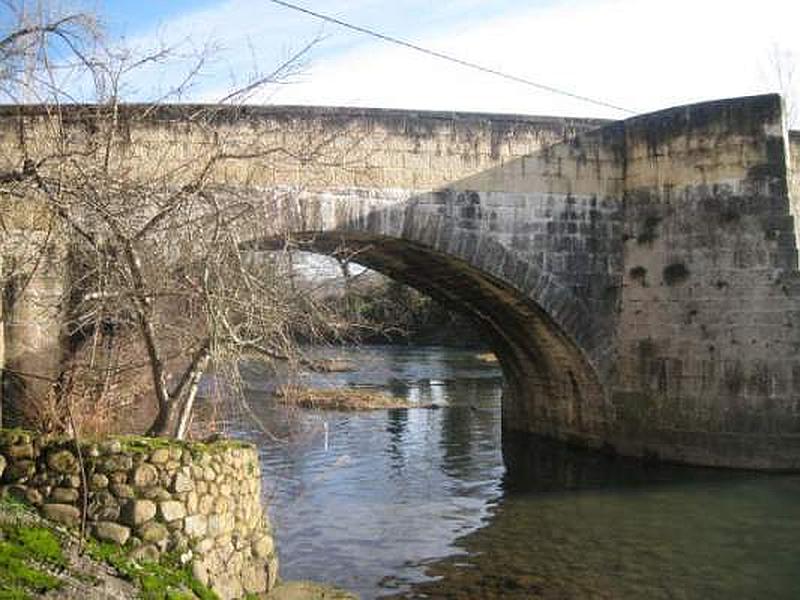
(32, 322)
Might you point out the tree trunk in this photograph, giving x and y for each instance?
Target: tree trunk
(174, 413)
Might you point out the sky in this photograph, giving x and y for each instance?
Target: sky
(642, 55)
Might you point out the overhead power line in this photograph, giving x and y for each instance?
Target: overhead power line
(453, 59)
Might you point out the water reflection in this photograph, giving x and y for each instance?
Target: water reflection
(418, 503)
(572, 524)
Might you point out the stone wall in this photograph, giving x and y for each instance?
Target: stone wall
(638, 280)
(707, 342)
(200, 501)
(794, 175)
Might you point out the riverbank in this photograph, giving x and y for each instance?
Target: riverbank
(151, 500)
(39, 559)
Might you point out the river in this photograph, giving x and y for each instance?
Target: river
(419, 503)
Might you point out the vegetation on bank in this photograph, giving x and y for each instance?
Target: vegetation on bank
(37, 557)
(347, 399)
(28, 554)
(167, 579)
(381, 310)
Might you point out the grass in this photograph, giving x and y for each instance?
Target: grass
(129, 443)
(164, 580)
(32, 557)
(27, 553)
(142, 444)
(338, 399)
(334, 365)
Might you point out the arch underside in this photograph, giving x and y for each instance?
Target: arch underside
(551, 387)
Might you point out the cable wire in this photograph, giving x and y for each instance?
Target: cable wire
(441, 55)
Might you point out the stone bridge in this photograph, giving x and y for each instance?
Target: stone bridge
(638, 279)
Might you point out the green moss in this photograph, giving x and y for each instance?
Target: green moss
(26, 552)
(129, 443)
(38, 543)
(148, 444)
(15, 594)
(165, 580)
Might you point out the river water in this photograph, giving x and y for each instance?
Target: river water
(419, 503)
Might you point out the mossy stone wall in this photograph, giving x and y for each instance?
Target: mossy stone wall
(200, 501)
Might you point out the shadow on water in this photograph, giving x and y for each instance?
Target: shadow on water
(415, 503)
(576, 524)
(536, 464)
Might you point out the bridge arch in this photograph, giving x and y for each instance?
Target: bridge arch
(652, 262)
(548, 377)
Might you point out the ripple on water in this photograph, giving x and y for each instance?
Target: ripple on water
(418, 504)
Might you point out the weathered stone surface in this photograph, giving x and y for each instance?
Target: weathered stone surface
(179, 543)
(224, 546)
(136, 512)
(170, 510)
(145, 553)
(62, 461)
(192, 501)
(272, 570)
(206, 504)
(610, 256)
(263, 546)
(73, 481)
(159, 456)
(118, 462)
(196, 526)
(307, 590)
(220, 524)
(145, 476)
(183, 481)
(20, 451)
(98, 481)
(228, 586)
(112, 532)
(118, 477)
(122, 490)
(156, 493)
(112, 447)
(103, 506)
(200, 572)
(152, 532)
(33, 496)
(62, 513)
(175, 526)
(64, 495)
(204, 546)
(254, 579)
(222, 505)
(20, 470)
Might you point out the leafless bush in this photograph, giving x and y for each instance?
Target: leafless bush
(161, 282)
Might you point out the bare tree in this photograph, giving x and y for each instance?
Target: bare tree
(161, 277)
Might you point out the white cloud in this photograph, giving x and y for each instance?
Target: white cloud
(641, 54)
